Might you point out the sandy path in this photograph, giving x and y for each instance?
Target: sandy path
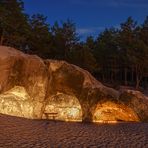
(23, 133)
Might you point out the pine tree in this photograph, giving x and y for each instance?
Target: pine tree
(126, 41)
(106, 53)
(40, 38)
(65, 38)
(13, 24)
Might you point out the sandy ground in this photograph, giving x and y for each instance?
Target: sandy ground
(23, 133)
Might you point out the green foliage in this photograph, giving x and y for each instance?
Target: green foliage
(82, 56)
(13, 23)
(39, 38)
(117, 56)
(64, 38)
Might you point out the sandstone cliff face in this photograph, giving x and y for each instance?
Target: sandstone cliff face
(32, 88)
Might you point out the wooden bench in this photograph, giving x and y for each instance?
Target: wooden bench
(53, 115)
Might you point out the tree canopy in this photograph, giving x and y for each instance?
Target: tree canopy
(117, 56)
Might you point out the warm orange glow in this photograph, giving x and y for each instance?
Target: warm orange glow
(103, 121)
(67, 107)
(109, 112)
(15, 102)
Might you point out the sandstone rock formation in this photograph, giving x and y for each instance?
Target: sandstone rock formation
(32, 88)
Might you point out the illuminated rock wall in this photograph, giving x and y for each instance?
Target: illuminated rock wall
(67, 107)
(109, 111)
(34, 88)
(16, 101)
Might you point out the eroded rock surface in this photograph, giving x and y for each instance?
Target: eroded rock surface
(67, 107)
(32, 88)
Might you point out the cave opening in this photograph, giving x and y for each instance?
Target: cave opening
(109, 112)
(65, 107)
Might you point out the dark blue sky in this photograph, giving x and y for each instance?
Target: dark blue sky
(90, 16)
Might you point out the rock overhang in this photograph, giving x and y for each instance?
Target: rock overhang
(41, 82)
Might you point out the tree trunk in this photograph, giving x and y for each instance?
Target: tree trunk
(125, 76)
(103, 77)
(138, 76)
(1, 40)
(137, 82)
(132, 75)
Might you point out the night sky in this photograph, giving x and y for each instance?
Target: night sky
(91, 16)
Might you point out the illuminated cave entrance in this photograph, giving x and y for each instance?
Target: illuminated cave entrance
(111, 112)
(66, 108)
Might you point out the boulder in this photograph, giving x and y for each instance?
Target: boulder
(34, 88)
